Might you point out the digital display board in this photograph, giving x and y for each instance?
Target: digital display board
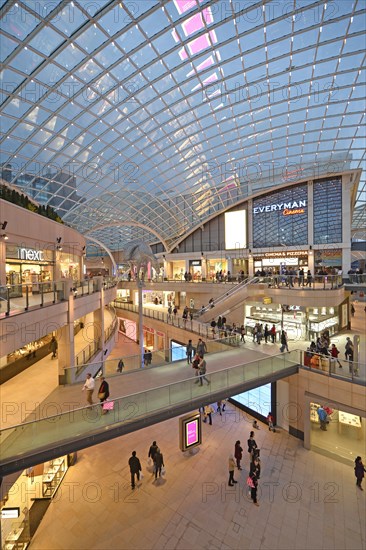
(10, 513)
(190, 431)
(235, 230)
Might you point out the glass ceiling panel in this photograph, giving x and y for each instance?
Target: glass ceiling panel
(46, 41)
(69, 19)
(26, 61)
(171, 114)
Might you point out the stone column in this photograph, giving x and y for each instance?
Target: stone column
(66, 343)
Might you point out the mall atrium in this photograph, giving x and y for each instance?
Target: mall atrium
(165, 165)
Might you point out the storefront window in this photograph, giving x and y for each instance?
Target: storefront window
(281, 218)
(328, 211)
(257, 400)
(342, 436)
(70, 266)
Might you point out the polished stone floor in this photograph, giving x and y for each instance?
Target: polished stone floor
(307, 501)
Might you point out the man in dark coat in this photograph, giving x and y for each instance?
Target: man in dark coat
(135, 468)
(158, 462)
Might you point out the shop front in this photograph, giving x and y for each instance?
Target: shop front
(22, 358)
(23, 501)
(279, 262)
(305, 323)
(28, 266)
(215, 268)
(178, 270)
(70, 266)
(195, 270)
(344, 435)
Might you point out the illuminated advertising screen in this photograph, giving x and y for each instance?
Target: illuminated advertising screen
(235, 230)
(190, 432)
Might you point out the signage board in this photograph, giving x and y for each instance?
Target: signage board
(285, 254)
(190, 431)
(267, 300)
(195, 262)
(30, 254)
(287, 208)
(10, 513)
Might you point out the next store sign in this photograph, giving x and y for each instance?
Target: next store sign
(30, 254)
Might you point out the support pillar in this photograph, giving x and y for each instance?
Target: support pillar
(141, 325)
(66, 343)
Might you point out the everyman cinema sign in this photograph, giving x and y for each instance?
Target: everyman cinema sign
(281, 218)
(287, 208)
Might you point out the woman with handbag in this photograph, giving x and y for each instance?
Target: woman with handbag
(103, 392)
(252, 480)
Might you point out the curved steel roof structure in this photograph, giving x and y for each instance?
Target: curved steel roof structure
(142, 118)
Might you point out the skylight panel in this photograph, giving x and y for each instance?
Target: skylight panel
(46, 40)
(91, 39)
(208, 62)
(7, 45)
(68, 19)
(154, 23)
(88, 71)
(19, 23)
(197, 22)
(198, 44)
(183, 6)
(26, 61)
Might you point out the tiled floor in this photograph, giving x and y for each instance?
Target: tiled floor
(306, 500)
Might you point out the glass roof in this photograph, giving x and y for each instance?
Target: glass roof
(142, 119)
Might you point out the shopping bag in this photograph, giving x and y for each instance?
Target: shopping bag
(141, 476)
(108, 405)
(250, 482)
(163, 471)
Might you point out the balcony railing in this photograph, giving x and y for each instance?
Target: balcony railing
(15, 299)
(159, 358)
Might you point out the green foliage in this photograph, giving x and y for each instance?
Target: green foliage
(11, 195)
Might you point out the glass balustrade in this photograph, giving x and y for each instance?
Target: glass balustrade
(32, 437)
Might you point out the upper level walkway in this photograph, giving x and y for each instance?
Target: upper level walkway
(162, 393)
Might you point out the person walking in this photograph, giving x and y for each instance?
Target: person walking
(207, 411)
(266, 333)
(273, 334)
(135, 468)
(322, 418)
(231, 471)
(202, 372)
(334, 352)
(103, 392)
(89, 387)
(120, 365)
(359, 471)
(53, 347)
(201, 347)
(220, 407)
(242, 334)
(270, 421)
(284, 341)
(152, 450)
(189, 351)
(158, 462)
(238, 454)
